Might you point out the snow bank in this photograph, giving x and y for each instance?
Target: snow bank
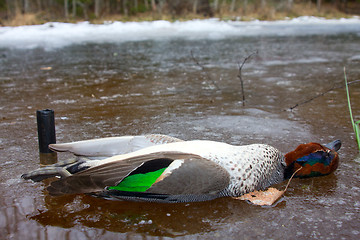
(57, 35)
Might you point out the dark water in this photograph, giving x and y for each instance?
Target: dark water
(131, 88)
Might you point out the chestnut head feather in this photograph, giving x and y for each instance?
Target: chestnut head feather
(314, 159)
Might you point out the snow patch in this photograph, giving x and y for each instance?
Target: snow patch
(57, 35)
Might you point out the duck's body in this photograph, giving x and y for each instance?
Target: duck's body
(165, 169)
(249, 167)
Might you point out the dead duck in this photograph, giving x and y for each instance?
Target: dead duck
(160, 168)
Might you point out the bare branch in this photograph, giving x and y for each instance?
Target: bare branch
(321, 94)
(204, 69)
(240, 77)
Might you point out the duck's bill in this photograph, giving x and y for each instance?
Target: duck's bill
(334, 145)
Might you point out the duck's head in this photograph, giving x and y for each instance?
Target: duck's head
(314, 159)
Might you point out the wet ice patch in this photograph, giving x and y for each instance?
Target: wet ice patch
(248, 126)
(285, 62)
(142, 222)
(254, 126)
(64, 101)
(54, 80)
(355, 58)
(13, 181)
(7, 163)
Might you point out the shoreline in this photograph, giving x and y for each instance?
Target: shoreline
(328, 11)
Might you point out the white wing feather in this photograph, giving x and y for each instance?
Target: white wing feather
(111, 146)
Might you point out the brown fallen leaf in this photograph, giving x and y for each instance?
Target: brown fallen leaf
(265, 198)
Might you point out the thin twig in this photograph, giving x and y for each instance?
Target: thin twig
(204, 70)
(292, 176)
(321, 94)
(240, 77)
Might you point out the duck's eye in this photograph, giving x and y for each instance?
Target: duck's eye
(325, 153)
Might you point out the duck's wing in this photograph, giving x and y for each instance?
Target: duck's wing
(149, 177)
(107, 147)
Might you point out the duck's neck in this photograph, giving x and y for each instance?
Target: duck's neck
(290, 160)
(289, 170)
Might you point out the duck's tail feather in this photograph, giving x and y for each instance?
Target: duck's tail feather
(61, 169)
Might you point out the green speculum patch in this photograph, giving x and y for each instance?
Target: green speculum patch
(138, 182)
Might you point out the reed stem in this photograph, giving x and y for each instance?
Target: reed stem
(357, 123)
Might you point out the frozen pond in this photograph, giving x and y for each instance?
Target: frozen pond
(137, 78)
